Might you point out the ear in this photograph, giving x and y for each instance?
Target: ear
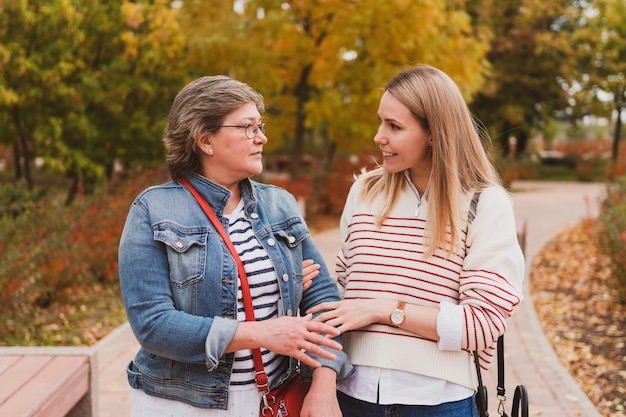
(203, 144)
(203, 140)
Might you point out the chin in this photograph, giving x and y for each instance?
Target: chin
(392, 169)
(254, 172)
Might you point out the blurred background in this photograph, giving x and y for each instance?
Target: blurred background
(85, 87)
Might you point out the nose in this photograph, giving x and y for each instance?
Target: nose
(379, 137)
(260, 137)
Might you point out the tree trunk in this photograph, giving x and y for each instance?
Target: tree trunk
(16, 158)
(26, 162)
(302, 92)
(73, 191)
(616, 135)
(22, 145)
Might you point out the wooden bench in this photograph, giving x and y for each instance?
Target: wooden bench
(44, 385)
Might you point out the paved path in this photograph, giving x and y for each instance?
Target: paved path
(546, 209)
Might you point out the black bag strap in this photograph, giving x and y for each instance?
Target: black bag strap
(481, 397)
(501, 389)
(471, 215)
(520, 397)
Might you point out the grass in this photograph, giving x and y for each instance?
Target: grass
(80, 319)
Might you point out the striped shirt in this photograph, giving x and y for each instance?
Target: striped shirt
(265, 296)
(481, 283)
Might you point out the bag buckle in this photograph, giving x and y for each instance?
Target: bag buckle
(266, 410)
(501, 405)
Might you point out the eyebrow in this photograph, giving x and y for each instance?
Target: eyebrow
(390, 120)
(250, 119)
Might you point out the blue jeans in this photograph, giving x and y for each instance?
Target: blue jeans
(351, 407)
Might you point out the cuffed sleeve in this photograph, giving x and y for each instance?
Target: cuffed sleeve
(220, 335)
(450, 326)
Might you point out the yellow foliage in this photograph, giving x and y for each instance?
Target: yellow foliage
(321, 63)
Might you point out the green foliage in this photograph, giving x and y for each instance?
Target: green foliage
(84, 83)
(612, 232)
(16, 199)
(599, 86)
(530, 52)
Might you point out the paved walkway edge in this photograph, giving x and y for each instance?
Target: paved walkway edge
(573, 392)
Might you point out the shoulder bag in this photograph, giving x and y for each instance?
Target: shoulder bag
(287, 398)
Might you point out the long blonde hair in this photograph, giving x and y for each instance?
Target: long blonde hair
(460, 162)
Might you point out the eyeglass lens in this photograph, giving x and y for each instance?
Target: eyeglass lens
(253, 129)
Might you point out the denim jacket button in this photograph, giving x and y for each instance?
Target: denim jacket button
(285, 277)
(292, 239)
(271, 242)
(289, 312)
(254, 216)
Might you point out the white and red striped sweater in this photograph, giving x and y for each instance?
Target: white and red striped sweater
(484, 276)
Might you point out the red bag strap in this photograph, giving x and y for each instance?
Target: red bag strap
(261, 376)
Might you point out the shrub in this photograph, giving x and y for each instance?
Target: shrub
(51, 251)
(612, 233)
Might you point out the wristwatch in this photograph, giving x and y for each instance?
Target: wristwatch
(397, 315)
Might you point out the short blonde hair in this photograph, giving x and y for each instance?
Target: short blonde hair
(201, 107)
(460, 162)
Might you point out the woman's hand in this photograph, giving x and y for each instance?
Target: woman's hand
(290, 336)
(353, 314)
(310, 270)
(321, 400)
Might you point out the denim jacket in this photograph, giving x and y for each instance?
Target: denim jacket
(179, 285)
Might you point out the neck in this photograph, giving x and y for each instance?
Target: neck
(419, 182)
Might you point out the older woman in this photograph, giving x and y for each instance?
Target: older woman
(181, 286)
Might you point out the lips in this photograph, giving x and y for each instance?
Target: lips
(388, 154)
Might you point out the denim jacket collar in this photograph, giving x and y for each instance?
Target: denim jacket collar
(218, 195)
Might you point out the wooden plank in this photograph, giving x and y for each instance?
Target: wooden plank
(6, 361)
(68, 392)
(18, 374)
(51, 392)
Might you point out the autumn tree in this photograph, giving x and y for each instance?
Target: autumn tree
(36, 54)
(321, 64)
(600, 88)
(530, 55)
(83, 83)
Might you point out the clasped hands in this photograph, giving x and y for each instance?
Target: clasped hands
(351, 314)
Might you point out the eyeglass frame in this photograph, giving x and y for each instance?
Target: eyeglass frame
(260, 127)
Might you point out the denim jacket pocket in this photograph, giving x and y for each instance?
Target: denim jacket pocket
(292, 235)
(186, 252)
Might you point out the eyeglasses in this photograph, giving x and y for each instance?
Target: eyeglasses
(251, 130)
